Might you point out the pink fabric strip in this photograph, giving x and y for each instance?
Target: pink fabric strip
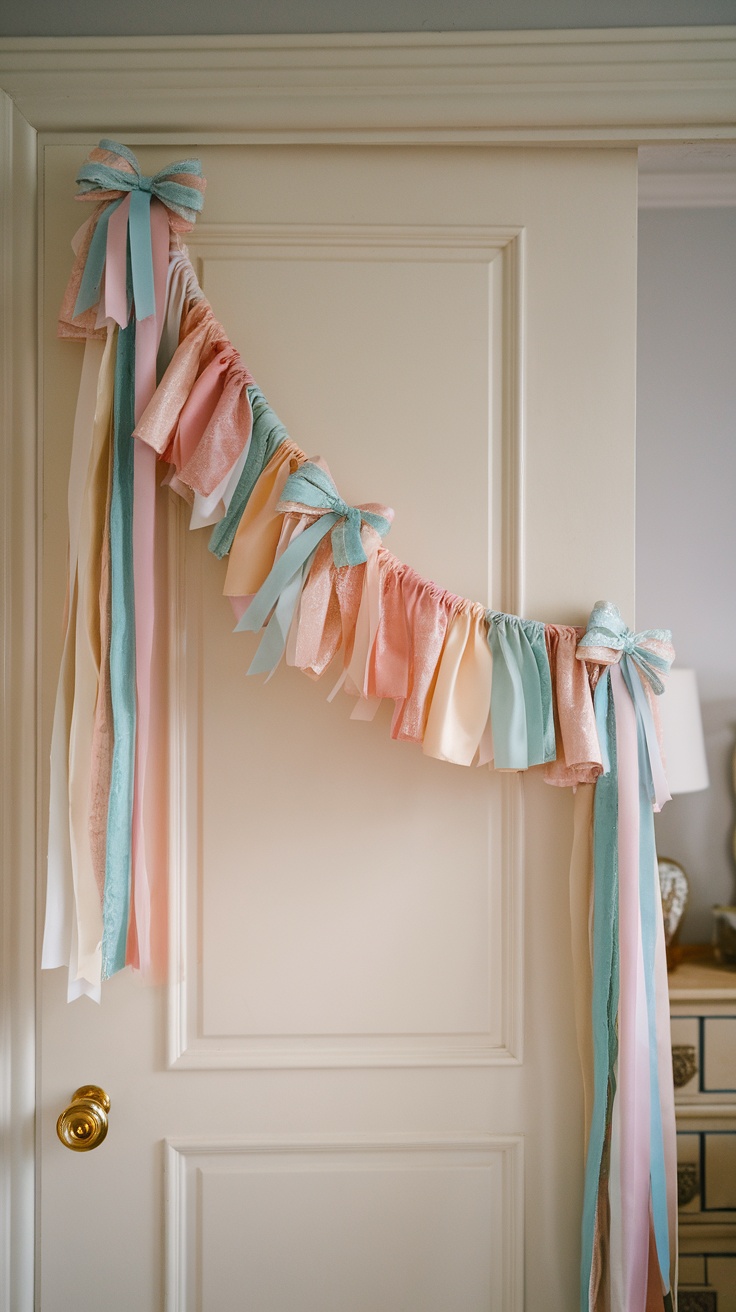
(633, 1062)
(148, 332)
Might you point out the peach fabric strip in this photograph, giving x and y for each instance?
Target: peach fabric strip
(461, 701)
(257, 537)
(578, 751)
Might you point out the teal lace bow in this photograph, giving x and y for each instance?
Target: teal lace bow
(98, 179)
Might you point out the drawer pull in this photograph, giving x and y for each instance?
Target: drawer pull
(684, 1063)
(688, 1183)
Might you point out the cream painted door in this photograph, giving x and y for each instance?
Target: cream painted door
(359, 1091)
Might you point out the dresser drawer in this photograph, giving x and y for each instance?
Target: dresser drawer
(707, 1282)
(706, 1171)
(718, 1054)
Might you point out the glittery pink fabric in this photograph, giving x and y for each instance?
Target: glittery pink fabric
(388, 671)
(201, 339)
(578, 751)
(228, 428)
(427, 611)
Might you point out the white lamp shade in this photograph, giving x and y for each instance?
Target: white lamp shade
(682, 731)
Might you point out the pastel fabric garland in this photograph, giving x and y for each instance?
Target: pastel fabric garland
(312, 574)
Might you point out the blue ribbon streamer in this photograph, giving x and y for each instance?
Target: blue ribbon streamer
(116, 899)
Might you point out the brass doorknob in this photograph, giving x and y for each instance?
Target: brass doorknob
(83, 1124)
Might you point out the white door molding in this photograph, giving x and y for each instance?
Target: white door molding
(614, 86)
(18, 547)
(549, 88)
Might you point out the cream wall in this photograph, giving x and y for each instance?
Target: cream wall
(686, 510)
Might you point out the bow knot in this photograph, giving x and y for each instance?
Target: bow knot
(607, 639)
(310, 488)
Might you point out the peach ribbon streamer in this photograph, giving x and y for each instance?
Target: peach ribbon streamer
(73, 936)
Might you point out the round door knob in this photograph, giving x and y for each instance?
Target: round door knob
(83, 1124)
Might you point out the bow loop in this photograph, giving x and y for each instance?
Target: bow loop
(309, 487)
(607, 639)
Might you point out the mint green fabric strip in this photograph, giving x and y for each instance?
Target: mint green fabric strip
(116, 898)
(605, 970)
(522, 719)
(537, 642)
(267, 435)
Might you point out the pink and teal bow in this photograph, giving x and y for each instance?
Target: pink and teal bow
(308, 490)
(651, 650)
(113, 173)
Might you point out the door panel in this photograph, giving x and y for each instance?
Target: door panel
(351, 1067)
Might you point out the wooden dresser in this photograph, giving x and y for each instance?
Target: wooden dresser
(703, 1006)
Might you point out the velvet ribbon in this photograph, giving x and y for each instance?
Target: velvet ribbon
(522, 716)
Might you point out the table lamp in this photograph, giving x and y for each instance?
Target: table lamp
(687, 772)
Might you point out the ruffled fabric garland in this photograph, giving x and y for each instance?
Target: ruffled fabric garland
(312, 575)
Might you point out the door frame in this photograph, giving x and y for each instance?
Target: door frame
(601, 88)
